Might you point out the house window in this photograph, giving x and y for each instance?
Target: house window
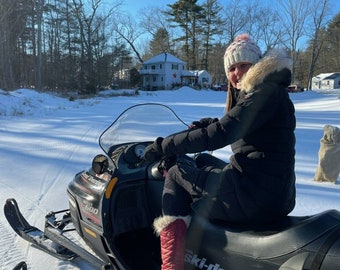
(175, 66)
(153, 67)
(154, 78)
(160, 66)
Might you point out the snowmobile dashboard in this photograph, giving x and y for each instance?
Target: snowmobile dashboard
(129, 154)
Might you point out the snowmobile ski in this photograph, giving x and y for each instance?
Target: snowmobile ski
(32, 234)
(52, 240)
(20, 266)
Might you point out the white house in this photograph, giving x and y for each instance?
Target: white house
(165, 71)
(196, 77)
(162, 71)
(326, 81)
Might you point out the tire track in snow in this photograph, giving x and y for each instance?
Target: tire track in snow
(33, 208)
(34, 205)
(15, 249)
(53, 176)
(11, 254)
(49, 183)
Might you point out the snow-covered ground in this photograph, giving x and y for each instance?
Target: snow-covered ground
(45, 140)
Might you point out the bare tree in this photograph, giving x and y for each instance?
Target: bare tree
(13, 16)
(236, 18)
(38, 8)
(320, 9)
(128, 29)
(263, 25)
(293, 20)
(59, 48)
(153, 20)
(89, 23)
(332, 50)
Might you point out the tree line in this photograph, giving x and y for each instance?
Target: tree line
(87, 45)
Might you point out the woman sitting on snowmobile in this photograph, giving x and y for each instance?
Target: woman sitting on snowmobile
(258, 185)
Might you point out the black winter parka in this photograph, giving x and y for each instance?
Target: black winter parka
(258, 184)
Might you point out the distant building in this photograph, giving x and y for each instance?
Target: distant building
(326, 81)
(198, 77)
(165, 71)
(122, 75)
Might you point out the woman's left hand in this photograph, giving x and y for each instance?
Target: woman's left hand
(154, 151)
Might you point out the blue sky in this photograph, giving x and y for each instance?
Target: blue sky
(133, 6)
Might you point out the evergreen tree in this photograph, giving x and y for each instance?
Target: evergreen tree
(160, 42)
(333, 44)
(211, 26)
(187, 14)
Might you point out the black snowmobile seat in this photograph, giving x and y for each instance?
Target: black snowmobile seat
(266, 241)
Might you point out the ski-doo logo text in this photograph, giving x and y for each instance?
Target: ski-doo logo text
(200, 263)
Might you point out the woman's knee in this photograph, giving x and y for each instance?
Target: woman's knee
(172, 172)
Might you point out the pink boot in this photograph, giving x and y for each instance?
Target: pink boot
(172, 232)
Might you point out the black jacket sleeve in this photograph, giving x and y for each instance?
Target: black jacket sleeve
(252, 110)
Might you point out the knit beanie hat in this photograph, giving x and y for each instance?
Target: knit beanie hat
(243, 49)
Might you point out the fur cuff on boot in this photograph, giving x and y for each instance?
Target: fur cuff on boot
(163, 221)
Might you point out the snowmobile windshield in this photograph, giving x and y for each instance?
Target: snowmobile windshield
(141, 123)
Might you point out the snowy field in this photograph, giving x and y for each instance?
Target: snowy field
(45, 140)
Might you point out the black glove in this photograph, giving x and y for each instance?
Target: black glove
(166, 163)
(170, 161)
(204, 122)
(154, 151)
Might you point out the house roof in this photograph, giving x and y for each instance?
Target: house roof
(200, 72)
(188, 73)
(164, 57)
(333, 76)
(327, 76)
(193, 73)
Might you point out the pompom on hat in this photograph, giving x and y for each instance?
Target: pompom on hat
(242, 49)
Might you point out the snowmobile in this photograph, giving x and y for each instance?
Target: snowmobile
(113, 204)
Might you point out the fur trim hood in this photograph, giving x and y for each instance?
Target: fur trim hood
(275, 60)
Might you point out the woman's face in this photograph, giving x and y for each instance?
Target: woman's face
(236, 73)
